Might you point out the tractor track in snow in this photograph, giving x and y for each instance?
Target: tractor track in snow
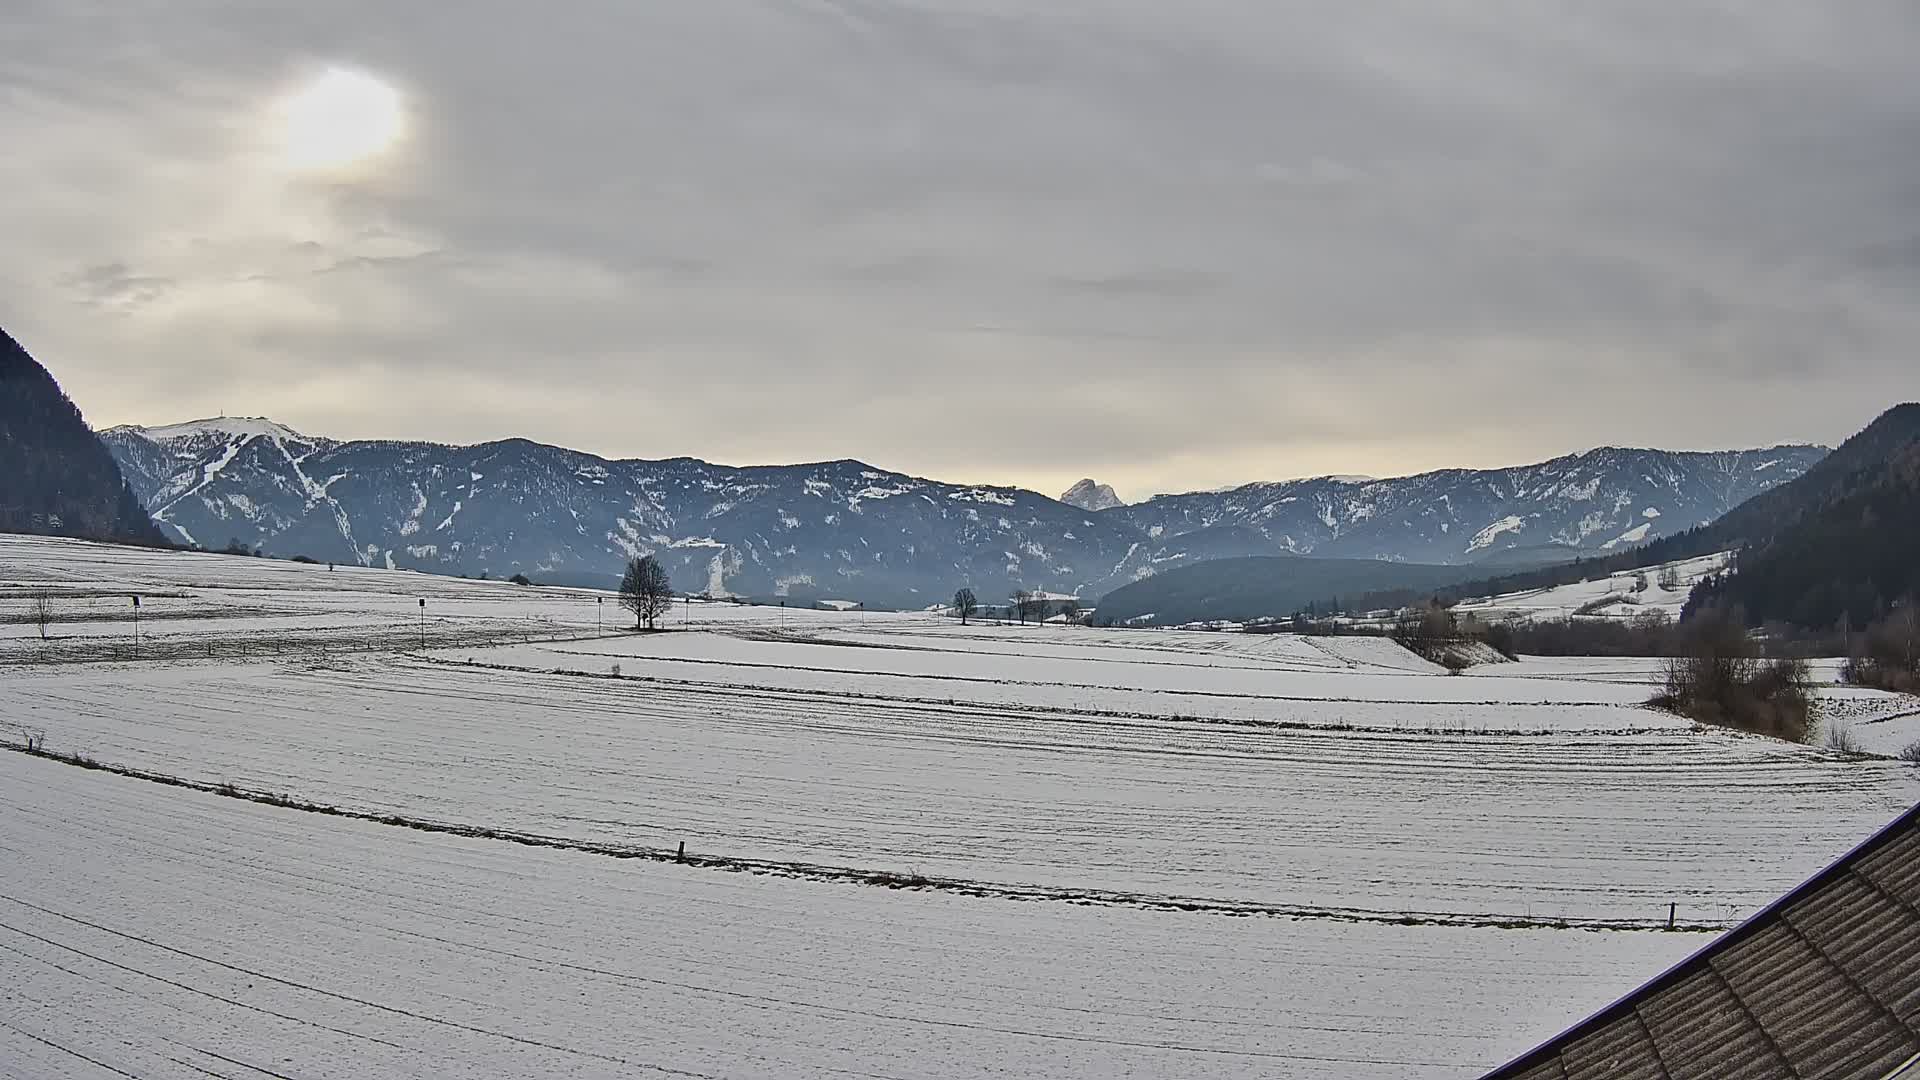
(889, 879)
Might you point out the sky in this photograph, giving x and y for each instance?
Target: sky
(1168, 246)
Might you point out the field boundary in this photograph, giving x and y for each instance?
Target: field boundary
(1080, 714)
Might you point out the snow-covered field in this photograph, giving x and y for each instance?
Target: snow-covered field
(163, 933)
(917, 849)
(1615, 596)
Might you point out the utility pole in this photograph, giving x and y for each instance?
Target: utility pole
(599, 606)
(136, 626)
(423, 622)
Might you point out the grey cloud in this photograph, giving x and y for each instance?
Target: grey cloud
(1164, 245)
(115, 286)
(1169, 282)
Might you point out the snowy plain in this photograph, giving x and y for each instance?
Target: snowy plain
(1152, 853)
(1611, 596)
(209, 936)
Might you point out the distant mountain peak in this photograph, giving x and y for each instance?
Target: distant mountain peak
(1090, 496)
(231, 427)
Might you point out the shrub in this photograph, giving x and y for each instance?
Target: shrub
(1911, 753)
(1887, 656)
(1719, 679)
(520, 579)
(1841, 737)
(1648, 633)
(1455, 662)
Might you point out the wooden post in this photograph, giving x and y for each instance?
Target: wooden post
(1671, 908)
(682, 857)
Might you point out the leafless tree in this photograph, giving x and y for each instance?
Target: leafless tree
(1022, 603)
(1426, 629)
(646, 591)
(1719, 678)
(1887, 655)
(42, 613)
(966, 604)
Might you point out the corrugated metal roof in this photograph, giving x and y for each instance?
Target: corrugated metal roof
(1824, 983)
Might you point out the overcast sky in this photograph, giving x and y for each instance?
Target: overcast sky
(1167, 245)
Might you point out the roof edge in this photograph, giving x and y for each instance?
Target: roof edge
(1746, 929)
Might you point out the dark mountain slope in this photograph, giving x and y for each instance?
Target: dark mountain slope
(56, 478)
(1846, 559)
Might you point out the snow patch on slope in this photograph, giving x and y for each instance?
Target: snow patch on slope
(1485, 537)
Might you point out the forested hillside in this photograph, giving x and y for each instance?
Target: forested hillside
(1843, 563)
(1266, 586)
(56, 477)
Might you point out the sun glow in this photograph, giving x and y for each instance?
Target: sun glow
(341, 119)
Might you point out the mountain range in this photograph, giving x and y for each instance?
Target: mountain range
(1836, 547)
(846, 529)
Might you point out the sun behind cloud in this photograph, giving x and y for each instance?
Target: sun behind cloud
(339, 120)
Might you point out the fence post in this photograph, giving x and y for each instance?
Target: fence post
(682, 857)
(1671, 908)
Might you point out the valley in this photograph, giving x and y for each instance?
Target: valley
(1195, 853)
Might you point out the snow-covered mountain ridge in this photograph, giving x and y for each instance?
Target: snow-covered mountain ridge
(847, 529)
(1597, 500)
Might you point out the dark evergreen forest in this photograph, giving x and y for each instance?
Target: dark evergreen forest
(56, 477)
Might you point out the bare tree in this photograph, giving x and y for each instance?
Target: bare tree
(1669, 579)
(646, 591)
(1887, 655)
(1070, 608)
(41, 613)
(1426, 630)
(966, 604)
(1022, 602)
